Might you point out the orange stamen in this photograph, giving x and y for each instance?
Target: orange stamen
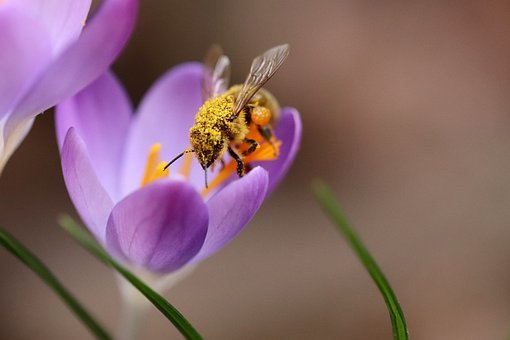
(254, 133)
(155, 167)
(221, 177)
(265, 152)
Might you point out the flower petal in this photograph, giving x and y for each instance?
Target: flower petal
(165, 116)
(88, 195)
(101, 114)
(288, 130)
(25, 49)
(82, 61)
(63, 20)
(231, 209)
(160, 227)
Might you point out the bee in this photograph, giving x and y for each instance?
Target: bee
(224, 122)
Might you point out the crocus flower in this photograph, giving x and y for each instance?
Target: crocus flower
(113, 171)
(48, 52)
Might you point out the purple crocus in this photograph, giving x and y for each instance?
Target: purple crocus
(112, 172)
(48, 52)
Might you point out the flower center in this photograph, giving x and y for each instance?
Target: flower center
(155, 168)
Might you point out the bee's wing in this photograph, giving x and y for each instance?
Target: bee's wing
(262, 69)
(217, 73)
(221, 76)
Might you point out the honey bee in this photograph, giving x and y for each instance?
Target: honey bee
(224, 121)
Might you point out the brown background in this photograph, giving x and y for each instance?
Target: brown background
(406, 112)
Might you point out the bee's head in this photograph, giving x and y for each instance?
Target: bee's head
(208, 145)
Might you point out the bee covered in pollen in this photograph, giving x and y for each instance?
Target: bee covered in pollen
(237, 120)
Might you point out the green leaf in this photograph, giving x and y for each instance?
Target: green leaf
(169, 311)
(331, 207)
(25, 256)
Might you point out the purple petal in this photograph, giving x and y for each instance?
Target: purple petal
(101, 115)
(63, 20)
(288, 130)
(88, 195)
(160, 227)
(81, 62)
(25, 49)
(231, 209)
(165, 116)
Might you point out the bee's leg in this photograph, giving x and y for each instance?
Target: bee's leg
(247, 114)
(267, 134)
(240, 164)
(253, 146)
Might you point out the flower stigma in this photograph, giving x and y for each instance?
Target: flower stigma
(154, 169)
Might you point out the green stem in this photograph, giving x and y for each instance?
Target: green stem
(25, 256)
(332, 208)
(133, 314)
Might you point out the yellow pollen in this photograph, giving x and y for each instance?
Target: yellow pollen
(155, 167)
(265, 152)
(83, 22)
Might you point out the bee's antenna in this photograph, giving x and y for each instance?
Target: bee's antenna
(205, 175)
(176, 158)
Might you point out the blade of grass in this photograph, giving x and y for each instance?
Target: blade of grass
(331, 207)
(169, 311)
(28, 258)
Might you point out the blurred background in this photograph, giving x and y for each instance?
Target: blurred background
(406, 112)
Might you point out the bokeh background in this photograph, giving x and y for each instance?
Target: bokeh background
(406, 111)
